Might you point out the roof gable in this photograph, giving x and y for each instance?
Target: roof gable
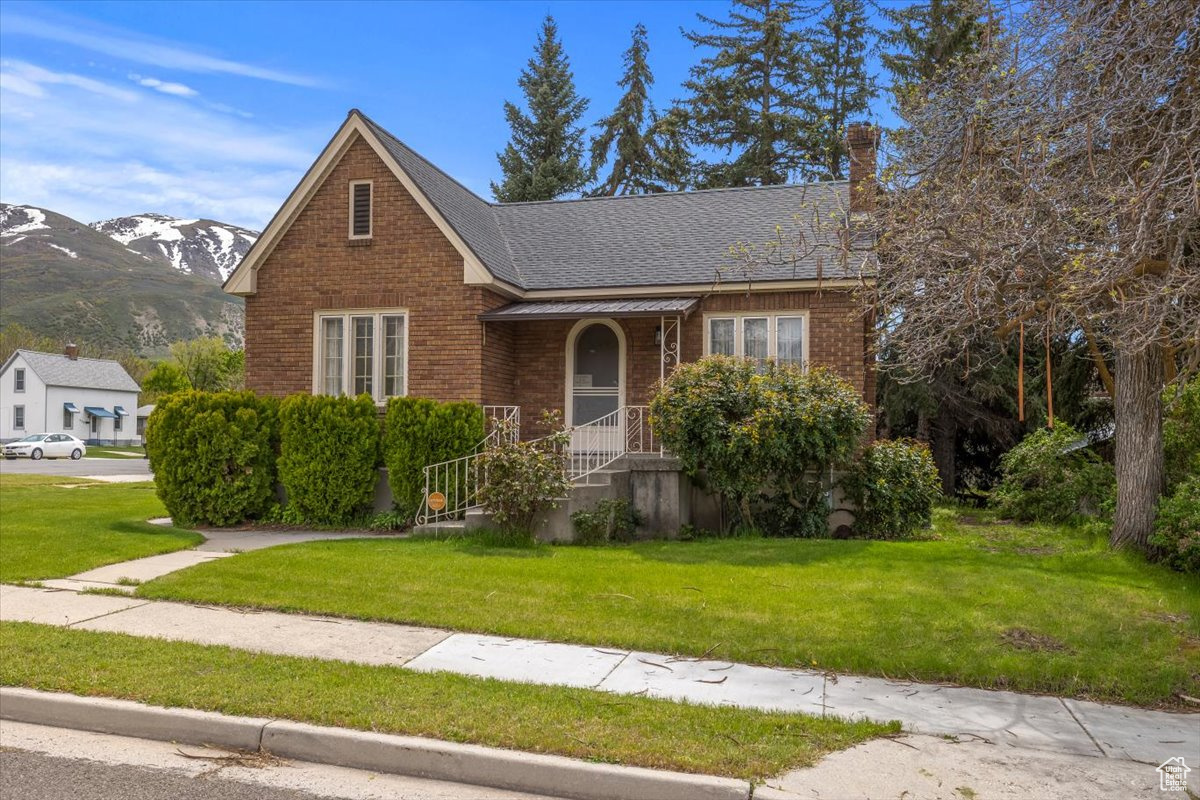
(623, 244)
(55, 369)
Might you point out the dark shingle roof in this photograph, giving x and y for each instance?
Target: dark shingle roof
(574, 309)
(632, 240)
(87, 373)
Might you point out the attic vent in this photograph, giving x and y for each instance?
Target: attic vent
(360, 209)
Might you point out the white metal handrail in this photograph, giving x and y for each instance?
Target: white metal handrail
(457, 480)
(590, 448)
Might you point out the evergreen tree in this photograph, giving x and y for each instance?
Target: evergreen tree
(746, 98)
(840, 87)
(925, 38)
(544, 156)
(641, 145)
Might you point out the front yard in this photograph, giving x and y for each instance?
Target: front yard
(52, 532)
(987, 604)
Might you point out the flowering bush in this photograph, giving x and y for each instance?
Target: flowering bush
(893, 488)
(758, 429)
(520, 478)
(1176, 535)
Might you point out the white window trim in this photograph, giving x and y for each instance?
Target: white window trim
(20, 427)
(772, 318)
(370, 210)
(68, 415)
(24, 380)
(347, 359)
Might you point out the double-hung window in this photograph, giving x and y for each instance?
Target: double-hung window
(18, 380)
(757, 335)
(362, 352)
(19, 418)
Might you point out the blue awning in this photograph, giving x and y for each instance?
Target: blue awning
(121, 411)
(96, 411)
(70, 408)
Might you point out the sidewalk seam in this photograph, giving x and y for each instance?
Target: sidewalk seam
(109, 614)
(608, 674)
(1082, 727)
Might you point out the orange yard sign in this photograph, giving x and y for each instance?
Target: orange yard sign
(436, 501)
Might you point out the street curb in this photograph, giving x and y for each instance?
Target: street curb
(402, 755)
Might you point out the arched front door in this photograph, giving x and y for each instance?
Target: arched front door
(595, 372)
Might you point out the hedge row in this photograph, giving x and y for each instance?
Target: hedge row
(217, 458)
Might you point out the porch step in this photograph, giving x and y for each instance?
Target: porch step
(446, 528)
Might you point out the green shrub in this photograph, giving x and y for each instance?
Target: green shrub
(419, 432)
(1181, 432)
(523, 478)
(758, 429)
(610, 520)
(1049, 478)
(329, 450)
(893, 487)
(1176, 537)
(213, 455)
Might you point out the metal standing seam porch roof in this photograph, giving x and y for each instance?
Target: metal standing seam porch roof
(577, 309)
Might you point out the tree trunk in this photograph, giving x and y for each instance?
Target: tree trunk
(1137, 410)
(943, 447)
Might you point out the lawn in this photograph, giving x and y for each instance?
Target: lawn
(131, 452)
(50, 532)
(988, 604)
(571, 722)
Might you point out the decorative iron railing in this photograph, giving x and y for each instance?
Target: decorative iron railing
(452, 487)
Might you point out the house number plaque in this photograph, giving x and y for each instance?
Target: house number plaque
(436, 501)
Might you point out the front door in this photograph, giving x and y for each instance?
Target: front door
(594, 385)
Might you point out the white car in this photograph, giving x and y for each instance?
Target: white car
(50, 445)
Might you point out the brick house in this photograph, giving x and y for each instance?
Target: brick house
(382, 274)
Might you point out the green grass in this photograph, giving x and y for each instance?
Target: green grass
(1028, 608)
(571, 722)
(51, 532)
(105, 451)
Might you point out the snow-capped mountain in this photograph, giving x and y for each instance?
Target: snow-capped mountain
(65, 279)
(201, 247)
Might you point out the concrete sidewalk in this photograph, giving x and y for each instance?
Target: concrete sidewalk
(219, 543)
(1068, 727)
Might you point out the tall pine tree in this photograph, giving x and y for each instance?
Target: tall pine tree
(746, 98)
(924, 38)
(840, 88)
(633, 135)
(544, 156)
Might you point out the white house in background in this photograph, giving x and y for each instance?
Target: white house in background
(91, 398)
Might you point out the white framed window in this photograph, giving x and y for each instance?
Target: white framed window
(360, 209)
(68, 420)
(361, 352)
(755, 334)
(19, 418)
(18, 380)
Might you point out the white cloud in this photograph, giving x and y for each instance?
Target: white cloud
(28, 79)
(166, 87)
(131, 47)
(92, 151)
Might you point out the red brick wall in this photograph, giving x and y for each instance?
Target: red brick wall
(407, 263)
(838, 338)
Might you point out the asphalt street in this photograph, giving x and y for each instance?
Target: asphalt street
(76, 469)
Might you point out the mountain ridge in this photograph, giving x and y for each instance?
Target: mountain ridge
(67, 279)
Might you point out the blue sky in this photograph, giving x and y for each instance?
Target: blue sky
(215, 109)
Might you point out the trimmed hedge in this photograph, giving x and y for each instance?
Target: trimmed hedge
(893, 487)
(419, 432)
(329, 450)
(213, 455)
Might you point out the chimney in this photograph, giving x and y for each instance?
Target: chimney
(862, 138)
(71, 351)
